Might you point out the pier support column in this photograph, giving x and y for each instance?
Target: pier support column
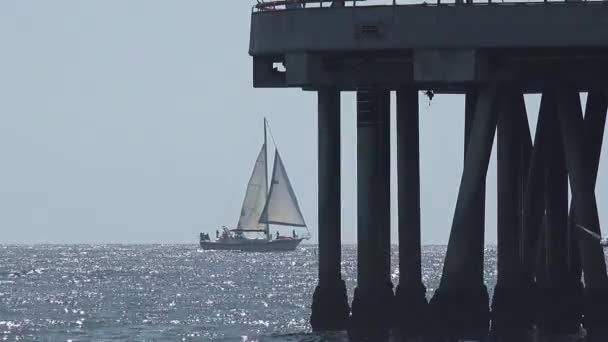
(412, 306)
(534, 210)
(559, 290)
(594, 123)
(579, 166)
(372, 305)
(330, 309)
(460, 305)
(510, 304)
(478, 216)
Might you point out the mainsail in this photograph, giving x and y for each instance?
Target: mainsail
(255, 197)
(281, 206)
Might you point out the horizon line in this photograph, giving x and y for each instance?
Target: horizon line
(2, 244)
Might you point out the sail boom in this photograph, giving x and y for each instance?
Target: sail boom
(277, 223)
(245, 230)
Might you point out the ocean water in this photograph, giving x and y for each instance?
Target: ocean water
(171, 292)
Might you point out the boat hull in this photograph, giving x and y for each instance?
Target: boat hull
(280, 245)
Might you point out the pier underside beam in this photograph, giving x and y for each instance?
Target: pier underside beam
(411, 304)
(460, 305)
(330, 308)
(453, 73)
(372, 304)
(579, 166)
(559, 289)
(511, 299)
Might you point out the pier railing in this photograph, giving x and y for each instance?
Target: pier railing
(274, 5)
(267, 5)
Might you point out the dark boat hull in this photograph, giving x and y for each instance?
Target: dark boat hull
(280, 245)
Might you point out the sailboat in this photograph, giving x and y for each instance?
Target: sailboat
(261, 208)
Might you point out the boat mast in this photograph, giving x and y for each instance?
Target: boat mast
(267, 229)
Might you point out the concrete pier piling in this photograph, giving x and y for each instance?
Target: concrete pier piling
(585, 210)
(373, 299)
(512, 291)
(477, 51)
(478, 213)
(533, 210)
(559, 290)
(460, 306)
(411, 309)
(330, 310)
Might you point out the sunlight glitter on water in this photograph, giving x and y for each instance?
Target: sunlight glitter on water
(172, 292)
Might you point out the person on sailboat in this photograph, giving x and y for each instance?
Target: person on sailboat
(225, 233)
(277, 234)
(603, 241)
(293, 233)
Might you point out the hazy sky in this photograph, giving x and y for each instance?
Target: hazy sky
(135, 121)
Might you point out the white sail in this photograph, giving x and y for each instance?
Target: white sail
(255, 197)
(282, 206)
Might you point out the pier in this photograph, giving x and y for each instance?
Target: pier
(551, 276)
